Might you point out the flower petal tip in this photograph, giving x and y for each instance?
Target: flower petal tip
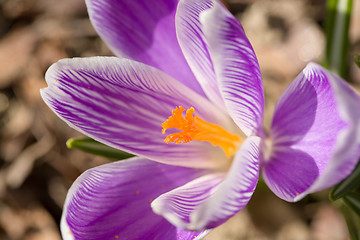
(65, 230)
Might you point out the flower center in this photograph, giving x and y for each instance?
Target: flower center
(192, 127)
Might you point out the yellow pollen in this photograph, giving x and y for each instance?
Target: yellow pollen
(194, 128)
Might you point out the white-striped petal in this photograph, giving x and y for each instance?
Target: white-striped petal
(123, 103)
(236, 68)
(212, 199)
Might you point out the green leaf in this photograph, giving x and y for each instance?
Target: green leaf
(352, 200)
(351, 218)
(347, 185)
(337, 35)
(91, 146)
(357, 60)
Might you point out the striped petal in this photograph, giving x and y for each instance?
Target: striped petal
(222, 58)
(144, 31)
(113, 202)
(194, 45)
(212, 199)
(315, 135)
(123, 103)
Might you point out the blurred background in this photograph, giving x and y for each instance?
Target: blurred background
(36, 168)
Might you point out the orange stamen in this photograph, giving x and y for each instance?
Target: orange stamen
(194, 128)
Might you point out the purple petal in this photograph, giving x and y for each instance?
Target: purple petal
(178, 205)
(144, 31)
(223, 60)
(195, 47)
(212, 199)
(123, 103)
(315, 135)
(112, 201)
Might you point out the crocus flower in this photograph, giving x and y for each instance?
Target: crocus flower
(185, 95)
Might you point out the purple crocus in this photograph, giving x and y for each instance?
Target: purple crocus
(193, 55)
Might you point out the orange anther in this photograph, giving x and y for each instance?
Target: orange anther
(194, 128)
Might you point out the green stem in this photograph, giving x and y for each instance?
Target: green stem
(91, 146)
(352, 200)
(337, 35)
(351, 218)
(347, 185)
